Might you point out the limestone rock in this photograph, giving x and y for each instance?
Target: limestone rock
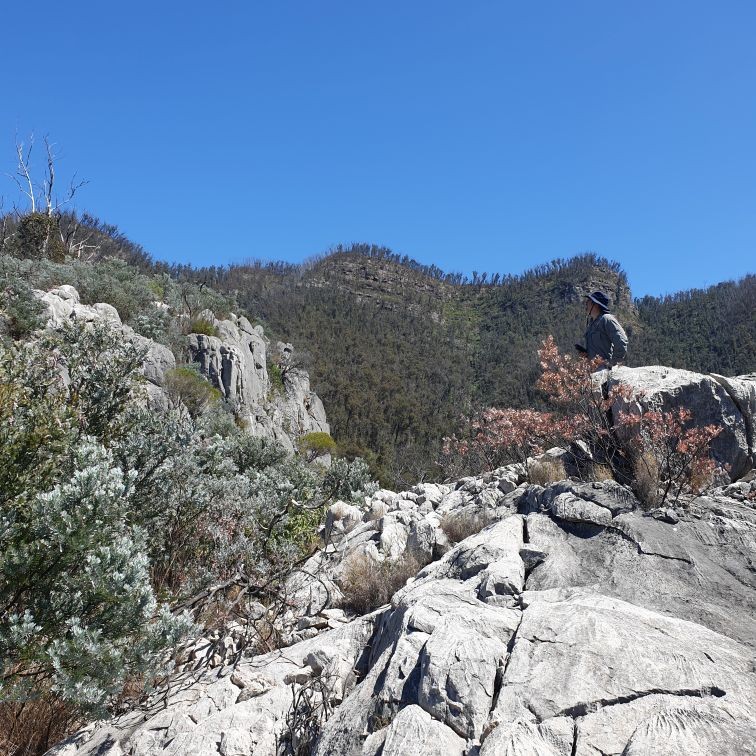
(573, 624)
(416, 732)
(63, 304)
(568, 507)
(706, 397)
(554, 737)
(586, 652)
(742, 391)
(235, 362)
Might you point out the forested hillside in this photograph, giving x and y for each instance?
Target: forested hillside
(712, 330)
(399, 351)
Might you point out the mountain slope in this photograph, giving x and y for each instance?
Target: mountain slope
(399, 352)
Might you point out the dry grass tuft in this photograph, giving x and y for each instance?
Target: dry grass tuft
(646, 479)
(601, 472)
(545, 471)
(367, 584)
(701, 478)
(31, 728)
(462, 525)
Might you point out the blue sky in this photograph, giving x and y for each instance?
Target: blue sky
(488, 136)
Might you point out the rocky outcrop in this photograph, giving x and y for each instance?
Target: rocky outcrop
(235, 362)
(573, 623)
(63, 305)
(728, 403)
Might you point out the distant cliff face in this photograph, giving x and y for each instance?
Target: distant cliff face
(235, 361)
(384, 283)
(387, 281)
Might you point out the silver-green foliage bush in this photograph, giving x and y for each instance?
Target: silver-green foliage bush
(349, 481)
(79, 615)
(110, 512)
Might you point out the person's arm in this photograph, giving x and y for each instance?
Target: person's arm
(618, 337)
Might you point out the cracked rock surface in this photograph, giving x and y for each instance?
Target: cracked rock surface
(571, 625)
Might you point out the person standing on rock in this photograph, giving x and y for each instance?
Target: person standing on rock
(604, 336)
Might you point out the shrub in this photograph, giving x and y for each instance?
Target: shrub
(367, 584)
(251, 453)
(567, 382)
(496, 437)
(153, 324)
(275, 375)
(39, 238)
(460, 525)
(348, 481)
(184, 385)
(116, 283)
(203, 326)
(192, 298)
(21, 313)
(313, 445)
(80, 615)
(670, 459)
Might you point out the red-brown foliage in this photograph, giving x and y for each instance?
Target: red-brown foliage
(675, 457)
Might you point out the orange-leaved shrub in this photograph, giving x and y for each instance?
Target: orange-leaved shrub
(660, 453)
(670, 458)
(496, 437)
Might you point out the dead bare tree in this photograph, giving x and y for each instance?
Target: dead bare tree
(78, 239)
(43, 202)
(3, 224)
(22, 177)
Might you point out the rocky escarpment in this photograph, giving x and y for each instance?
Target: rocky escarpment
(573, 624)
(235, 361)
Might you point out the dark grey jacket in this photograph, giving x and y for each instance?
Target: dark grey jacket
(606, 338)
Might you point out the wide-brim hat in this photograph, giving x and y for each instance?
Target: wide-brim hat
(600, 299)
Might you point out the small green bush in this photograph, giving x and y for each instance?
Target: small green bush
(21, 313)
(313, 445)
(275, 374)
(203, 326)
(349, 481)
(154, 324)
(186, 386)
(39, 238)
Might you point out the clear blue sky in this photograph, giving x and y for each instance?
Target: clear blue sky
(482, 135)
